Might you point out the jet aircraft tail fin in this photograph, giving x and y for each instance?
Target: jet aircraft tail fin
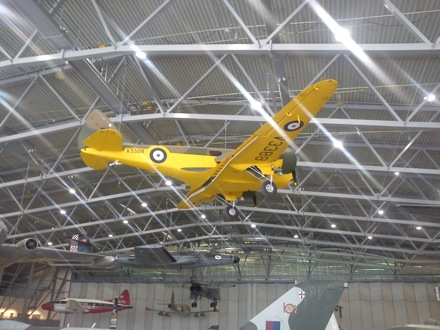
(80, 243)
(309, 305)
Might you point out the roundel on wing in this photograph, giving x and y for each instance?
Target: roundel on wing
(293, 126)
(218, 257)
(158, 155)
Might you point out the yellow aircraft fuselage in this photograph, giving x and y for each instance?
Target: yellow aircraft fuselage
(188, 167)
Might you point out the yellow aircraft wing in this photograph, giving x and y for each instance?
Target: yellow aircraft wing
(266, 145)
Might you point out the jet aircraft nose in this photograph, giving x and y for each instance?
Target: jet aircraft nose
(236, 259)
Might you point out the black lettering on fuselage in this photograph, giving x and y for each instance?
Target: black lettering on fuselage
(270, 148)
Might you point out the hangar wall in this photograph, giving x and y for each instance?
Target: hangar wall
(383, 305)
(365, 306)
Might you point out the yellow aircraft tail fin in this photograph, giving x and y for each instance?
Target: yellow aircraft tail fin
(102, 140)
(95, 121)
(105, 140)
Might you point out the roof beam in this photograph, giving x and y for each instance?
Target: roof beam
(47, 27)
(406, 22)
(59, 58)
(126, 118)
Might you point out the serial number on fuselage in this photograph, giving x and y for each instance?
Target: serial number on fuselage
(135, 150)
(270, 148)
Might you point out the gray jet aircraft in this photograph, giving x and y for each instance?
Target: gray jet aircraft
(154, 256)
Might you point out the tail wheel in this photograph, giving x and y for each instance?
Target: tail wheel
(231, 212)
(268, 188)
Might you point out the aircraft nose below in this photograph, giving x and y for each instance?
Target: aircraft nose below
(47, 307)
(236, 259)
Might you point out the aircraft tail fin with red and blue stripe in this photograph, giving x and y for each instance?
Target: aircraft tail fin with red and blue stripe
(309, 305)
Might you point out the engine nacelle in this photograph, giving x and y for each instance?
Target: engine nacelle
(289, 161)
(29, 244)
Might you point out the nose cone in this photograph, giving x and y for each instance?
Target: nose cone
(47, 306)
(236, 259)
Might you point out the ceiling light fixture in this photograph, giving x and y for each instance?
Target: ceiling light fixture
(338, 144)
(429, 98)
(141, 55)
(63, 212)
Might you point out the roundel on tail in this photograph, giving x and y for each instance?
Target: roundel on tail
(293, 126)
(158, 155)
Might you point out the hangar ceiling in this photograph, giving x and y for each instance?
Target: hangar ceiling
(61, 59)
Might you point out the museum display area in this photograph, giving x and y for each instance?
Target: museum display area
(168, 147)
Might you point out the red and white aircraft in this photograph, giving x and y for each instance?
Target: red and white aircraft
(81, 305)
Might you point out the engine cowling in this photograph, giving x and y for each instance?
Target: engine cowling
(289, 161)
(29, 244)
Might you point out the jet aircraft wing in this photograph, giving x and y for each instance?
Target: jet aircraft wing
(266, 145)
(154, 254)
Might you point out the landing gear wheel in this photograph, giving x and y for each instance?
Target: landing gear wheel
(231, 212)
(268, 188)
(194, 304)
(212, 305)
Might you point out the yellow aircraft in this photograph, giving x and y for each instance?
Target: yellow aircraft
(261, 163)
